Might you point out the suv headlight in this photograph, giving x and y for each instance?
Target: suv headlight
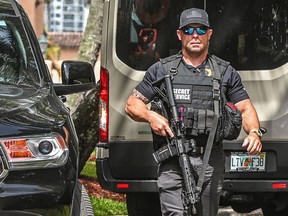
(32, 152)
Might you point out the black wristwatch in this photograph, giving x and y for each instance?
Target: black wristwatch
(257, 131)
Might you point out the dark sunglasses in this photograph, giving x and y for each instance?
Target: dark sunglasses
(201, 30)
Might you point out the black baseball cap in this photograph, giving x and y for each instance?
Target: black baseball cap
(194, 15)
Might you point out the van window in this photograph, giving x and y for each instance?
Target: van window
(251, 34)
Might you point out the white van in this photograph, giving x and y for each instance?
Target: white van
(252, 35)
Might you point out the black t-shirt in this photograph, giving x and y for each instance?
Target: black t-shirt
(231, 82)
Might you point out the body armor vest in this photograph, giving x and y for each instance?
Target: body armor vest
(195, 92)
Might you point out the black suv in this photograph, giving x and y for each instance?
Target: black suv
(39, 149)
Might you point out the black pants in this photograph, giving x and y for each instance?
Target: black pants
(170, 184)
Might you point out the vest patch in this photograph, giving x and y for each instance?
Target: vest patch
(208, 72)
(182, 93)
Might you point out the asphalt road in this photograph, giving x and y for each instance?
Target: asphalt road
(227, 211)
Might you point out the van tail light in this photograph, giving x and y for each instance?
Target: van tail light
(279, 186)
(103, 105)
(122, 186)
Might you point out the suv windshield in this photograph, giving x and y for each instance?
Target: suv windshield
(17, 64)
(254, 36)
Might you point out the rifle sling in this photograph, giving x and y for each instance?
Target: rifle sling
(211, 134)
(207, 152)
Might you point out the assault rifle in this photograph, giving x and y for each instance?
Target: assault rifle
(190, 193)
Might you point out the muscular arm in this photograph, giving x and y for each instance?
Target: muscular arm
(250, 121)
(136, 108)
(249, 115)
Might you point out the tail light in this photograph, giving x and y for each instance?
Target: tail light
(279, 186)
(103, 105)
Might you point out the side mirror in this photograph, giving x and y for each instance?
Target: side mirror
(77, 72)
(77, 76)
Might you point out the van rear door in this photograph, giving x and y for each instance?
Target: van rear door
(251, 34)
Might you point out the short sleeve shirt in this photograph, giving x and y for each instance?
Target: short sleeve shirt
(231, 82)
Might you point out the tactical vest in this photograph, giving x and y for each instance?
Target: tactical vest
(195, 93)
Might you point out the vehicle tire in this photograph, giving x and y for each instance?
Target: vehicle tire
(81, 203)
(143, 204)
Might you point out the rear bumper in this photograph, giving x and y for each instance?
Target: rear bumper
(108, 182)
(129, 167)
(125, 167)
(275, 177)
(258, 185)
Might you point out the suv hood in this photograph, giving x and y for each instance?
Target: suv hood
(26, 110)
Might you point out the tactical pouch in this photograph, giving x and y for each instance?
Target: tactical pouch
(190, 121)
(196, 121)
(232, 122)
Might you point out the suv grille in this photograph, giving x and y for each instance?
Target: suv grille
(3, 165)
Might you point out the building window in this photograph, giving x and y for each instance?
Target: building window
(69, 1)
(66, 11)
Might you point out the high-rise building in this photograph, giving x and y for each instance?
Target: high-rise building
(67, 16)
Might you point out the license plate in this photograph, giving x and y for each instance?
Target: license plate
(242, 162)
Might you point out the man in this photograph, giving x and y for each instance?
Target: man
(194, 33)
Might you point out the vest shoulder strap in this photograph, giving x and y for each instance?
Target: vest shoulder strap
(170, 58)
(171, 63)
(222, 64)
